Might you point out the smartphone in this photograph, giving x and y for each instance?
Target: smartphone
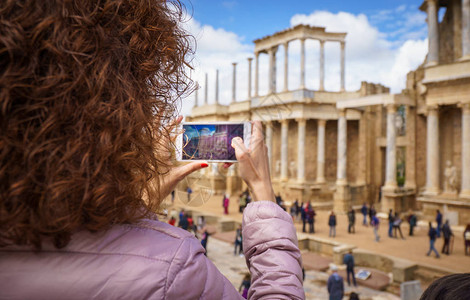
(210, 141)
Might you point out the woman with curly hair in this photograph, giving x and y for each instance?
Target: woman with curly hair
(88, 94)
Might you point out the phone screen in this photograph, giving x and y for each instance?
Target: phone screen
(211, 141)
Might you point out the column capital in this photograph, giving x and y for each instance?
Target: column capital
(301, 121)
(342, 112)
(431, 109)
(286, 44)
(302, 39)
(268, 123)
(249, 59)
(343, 44)
(322, 42)
(284, 122)
(391, 108)
(465, 107)
(321, 122)
(234, 64)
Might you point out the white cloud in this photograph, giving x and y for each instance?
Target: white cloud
(371, 56)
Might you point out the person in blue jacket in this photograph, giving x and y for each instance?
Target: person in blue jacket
(335, 284)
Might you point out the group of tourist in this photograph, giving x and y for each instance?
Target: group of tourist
(186, 222)
(335, 284)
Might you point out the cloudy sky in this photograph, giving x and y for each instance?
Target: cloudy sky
(385, 40)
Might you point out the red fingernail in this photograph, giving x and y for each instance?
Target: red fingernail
(204, 165)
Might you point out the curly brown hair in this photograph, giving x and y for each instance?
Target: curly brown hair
(86, 88)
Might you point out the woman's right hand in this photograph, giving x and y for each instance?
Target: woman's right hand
(254, 164)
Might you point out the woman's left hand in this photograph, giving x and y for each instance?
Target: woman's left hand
(177, 173)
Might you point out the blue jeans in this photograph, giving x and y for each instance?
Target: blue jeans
(377, 237)
(351, 272)
(390, 228)
(365, 220)
(333, 231)
(432, 248)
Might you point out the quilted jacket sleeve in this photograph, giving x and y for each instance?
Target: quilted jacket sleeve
(272, 252)
(193, 276)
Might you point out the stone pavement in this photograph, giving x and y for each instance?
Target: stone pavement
(411, 248)
(233, 267)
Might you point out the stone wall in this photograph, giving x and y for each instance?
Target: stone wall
(450, 136)
(311, 148)
(352, 150)
(331, 150)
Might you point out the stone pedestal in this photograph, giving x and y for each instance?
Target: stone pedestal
(342, 199)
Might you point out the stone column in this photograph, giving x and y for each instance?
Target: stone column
(341, 178)
(284, 148)
(343, 74)
(256, 74)
(269, 141)
(432, 154)
(249, 77)
(206, 91)
(465, 188)
(195, 95)
(433, 33)
(234, 82)
(391, 162)
(302, 123)
(272, 70)
(321, 151)
(286, 66)
(217, 86)
(302, 63)
(322, 65)
(465, 29)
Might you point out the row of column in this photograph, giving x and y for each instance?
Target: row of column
(433, 30)
(432, 155)
(272, 72)
(272, 67)
(302, 123)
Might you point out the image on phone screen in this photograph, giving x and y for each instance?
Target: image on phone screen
(210, 141)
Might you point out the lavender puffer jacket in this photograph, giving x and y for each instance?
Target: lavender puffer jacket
(154, 260)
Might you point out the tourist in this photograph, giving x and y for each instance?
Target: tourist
(204, 239)
(364, 211)
(189, 191)
(183, 222)
(225, 203)
(297, 209)
(311, 218)
(303, 215)
(439, 223)
(351, 221)
(332, 224)
(390, 223)
(238, 241)
(466, 239)
(245, 285)
(293, 210)
(447, 234)
(397, 226)
(201, 222)
(348, 260)
(353, 296)
(413, 221)
(372, 213)
(432, 233)
(90, 90)
(335, 284)
(172, 197)
(449, 287)
(172, 221)
(375, 225)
